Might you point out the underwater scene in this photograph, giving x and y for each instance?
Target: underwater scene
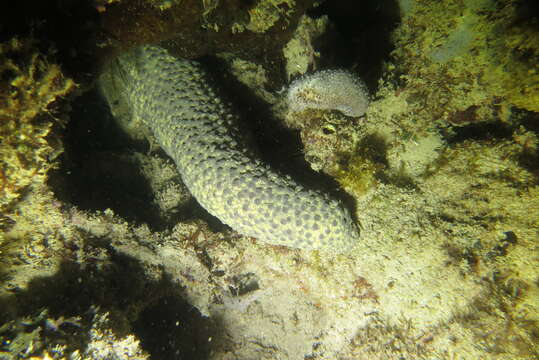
(269, 179)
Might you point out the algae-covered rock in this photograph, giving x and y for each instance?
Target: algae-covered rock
(46, 337)
(29, 86)
(194, 28)
(112, 258)
(474, 62)
(266, 13)
(299, 52)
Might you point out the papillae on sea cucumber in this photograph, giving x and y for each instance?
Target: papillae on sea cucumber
(176, 100)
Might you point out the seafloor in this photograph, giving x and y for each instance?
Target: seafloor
(104, 253)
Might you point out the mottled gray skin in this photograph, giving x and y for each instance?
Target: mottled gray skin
(173, 97)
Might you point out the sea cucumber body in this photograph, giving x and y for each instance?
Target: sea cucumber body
(175, 99)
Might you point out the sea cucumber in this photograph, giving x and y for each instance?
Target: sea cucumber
(176, 100)
(329, 90)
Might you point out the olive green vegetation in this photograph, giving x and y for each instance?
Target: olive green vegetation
(361, 170)
(476, 62)
(517, 58)
(29, 84)
(29, 87)
(358, 174)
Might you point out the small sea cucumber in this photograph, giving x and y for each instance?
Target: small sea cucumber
(199, 131)
(329, 90)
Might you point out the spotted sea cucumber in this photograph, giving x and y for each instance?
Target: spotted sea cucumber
(175, 99)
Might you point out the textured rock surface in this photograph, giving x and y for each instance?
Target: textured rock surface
(199, 131)
(329, 90)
